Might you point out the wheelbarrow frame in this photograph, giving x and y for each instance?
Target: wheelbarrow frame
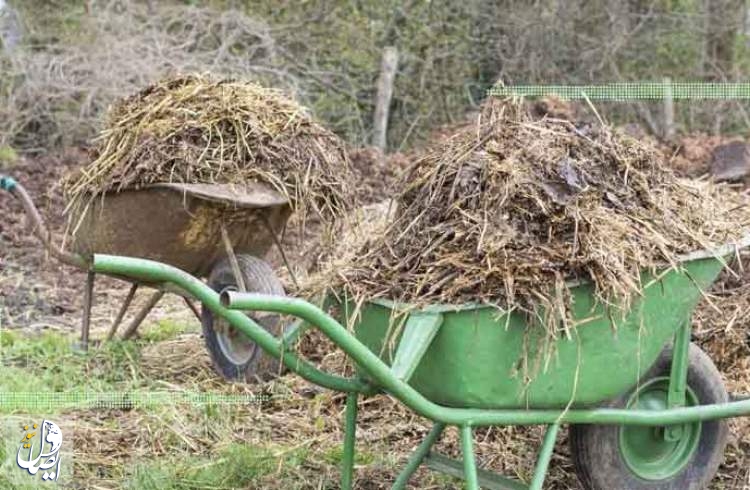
(231, 307)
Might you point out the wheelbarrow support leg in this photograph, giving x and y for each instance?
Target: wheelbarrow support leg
(470, 464)
(350, 432)
(678, 377)
(123, 310)
(88, 300)
(130, 331)
(418, 456)
(679, 369)
(545, 454)
(193, 308)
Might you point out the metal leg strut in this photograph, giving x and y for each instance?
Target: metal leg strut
(350, 432)
(193, 308)
(88, 300)
(123, 310)
(470, 465)
(545, 454)
(418, 456)
(130, 331)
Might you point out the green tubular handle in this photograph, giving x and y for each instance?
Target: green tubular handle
(7, 183)
(158, 273)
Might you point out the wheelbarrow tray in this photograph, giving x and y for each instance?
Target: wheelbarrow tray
(180, 224)
(479, 355)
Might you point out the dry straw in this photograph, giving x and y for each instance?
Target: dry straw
(198, 129)
(509, 210)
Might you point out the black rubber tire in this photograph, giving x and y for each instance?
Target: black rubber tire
(595, 449)
(258, 277)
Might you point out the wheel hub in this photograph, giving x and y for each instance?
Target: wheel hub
(235, 345)
(648, 451)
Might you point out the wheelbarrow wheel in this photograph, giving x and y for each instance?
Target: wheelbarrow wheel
(611, 456)
(234, 355)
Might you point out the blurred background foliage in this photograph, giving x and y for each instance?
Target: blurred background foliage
(62, 62)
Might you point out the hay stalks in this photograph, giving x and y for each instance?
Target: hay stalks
(509, 210)
(197, 129)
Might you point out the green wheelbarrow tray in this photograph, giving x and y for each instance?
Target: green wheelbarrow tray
(477, 356)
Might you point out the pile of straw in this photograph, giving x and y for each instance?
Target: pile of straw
(197, 129)
(509, 210)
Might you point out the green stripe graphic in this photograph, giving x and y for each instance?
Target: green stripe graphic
(35, 401)
(630, 90)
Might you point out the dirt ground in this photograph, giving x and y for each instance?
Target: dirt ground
(37, 294)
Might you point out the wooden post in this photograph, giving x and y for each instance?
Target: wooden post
(11, 27)
(669, 130)
(383, 100)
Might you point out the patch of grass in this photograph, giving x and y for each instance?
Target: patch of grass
(335, 455)
(6, 482)
(8, 157)
(163, 330)
(235, 466)
(7, 338)
(116, 363)
(40, 363)
(177, 446)
(47, 362)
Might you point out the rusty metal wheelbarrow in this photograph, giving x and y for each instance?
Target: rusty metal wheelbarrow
(216, 231)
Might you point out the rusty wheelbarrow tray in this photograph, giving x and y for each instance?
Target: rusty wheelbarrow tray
(181, 224)
(217, 231)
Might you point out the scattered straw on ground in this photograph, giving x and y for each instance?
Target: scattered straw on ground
(198, 129)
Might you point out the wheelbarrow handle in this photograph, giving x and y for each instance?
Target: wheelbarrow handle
(331, 328)
(11, 185)
(151, 272)
(155, 272)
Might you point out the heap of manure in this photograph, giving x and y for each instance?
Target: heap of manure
(199, 129)
(510, 210)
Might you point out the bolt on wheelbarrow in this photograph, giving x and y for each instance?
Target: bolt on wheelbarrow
(221, 232)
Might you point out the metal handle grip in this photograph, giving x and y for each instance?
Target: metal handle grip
(7, 183)
(37, 223)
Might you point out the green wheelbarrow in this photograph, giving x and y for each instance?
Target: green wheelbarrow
(646, 408)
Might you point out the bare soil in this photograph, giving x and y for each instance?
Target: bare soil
(36, 292)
